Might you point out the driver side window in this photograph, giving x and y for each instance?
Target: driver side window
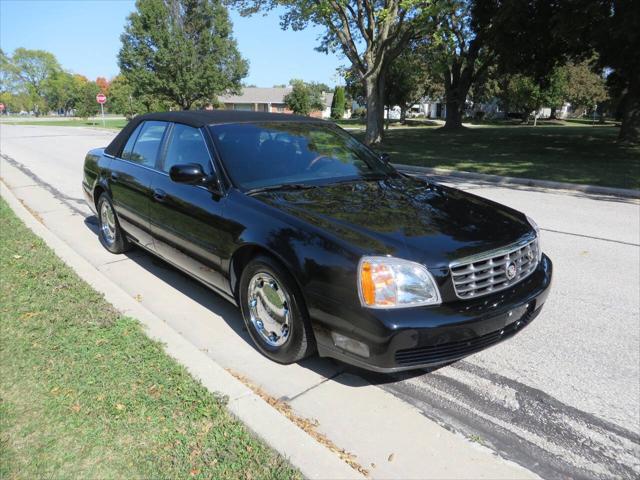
(187, 145)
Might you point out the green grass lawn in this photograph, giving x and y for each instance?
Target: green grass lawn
(71, 122)
(576, 154)
(85, 394)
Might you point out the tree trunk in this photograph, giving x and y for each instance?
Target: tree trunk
(375, 109)
(455, 96)
(630, 128)
(553, 114)
(403, 115)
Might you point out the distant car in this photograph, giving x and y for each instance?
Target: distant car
(322, 244)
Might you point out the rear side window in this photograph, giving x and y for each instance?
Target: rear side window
(147, 144)
(126, 152)
(187, 146)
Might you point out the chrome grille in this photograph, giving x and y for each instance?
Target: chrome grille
(487, 273)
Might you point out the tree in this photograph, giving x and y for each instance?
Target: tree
(459, 51)
(584, 87)
(522, 94)
(338, 103)
(549, 34)
(369, 33)
(103, 83)
(32, 68)
(123, 100)
(181, 50)
(304, 98)
(409, 79)
(86, 105)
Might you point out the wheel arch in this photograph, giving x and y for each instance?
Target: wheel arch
(244, 254)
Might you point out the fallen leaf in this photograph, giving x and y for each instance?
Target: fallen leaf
(373, 465)
(76, 407)
(17, 257)
(138, 297)
(194, 472)
(120, 406)
(391, 457)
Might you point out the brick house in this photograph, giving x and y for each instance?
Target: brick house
(257, 99)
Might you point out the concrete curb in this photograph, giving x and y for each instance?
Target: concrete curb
(303, 452)
(529, 182)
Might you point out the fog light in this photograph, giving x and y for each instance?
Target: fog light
(350, 345)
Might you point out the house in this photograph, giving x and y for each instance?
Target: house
(257, 99)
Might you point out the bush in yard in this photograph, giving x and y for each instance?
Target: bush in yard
(338, 104)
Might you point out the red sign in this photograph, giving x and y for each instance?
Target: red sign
(101, 98)
(1, 107)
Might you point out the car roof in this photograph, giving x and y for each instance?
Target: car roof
(200, 118)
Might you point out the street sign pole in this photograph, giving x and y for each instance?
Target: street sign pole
(101, 98)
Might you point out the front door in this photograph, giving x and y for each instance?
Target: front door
(130, 180)
(186, 220)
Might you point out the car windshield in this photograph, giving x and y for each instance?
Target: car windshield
(259, 155)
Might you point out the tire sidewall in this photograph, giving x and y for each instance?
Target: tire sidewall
(297, 345)
(119, 245)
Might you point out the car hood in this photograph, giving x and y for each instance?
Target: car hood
(405, 217)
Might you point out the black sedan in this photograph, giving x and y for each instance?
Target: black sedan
(322, 244)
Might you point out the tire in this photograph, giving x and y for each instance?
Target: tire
(111, 235)
(292, 338)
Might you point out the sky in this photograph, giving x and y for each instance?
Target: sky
(84, 35)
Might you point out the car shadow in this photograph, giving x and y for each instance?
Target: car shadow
(328, 368)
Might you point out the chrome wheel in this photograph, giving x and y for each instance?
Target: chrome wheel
(107, 223)
(269, 308)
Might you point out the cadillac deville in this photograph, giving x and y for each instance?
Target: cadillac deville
(321, 243)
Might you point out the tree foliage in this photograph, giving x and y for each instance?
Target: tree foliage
(30, 70)
(304, 98)
(122, 99)
(86, 105)
(338, 104)
(411, 78)
(548, 34)
(182, 51)
(370, 34)
(584, 88)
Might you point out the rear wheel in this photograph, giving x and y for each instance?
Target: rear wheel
(111, 235)
(274, 312)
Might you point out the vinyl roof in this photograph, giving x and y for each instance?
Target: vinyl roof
(200, 118)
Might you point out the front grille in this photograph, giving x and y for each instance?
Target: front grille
(494, 271)
(448, 352)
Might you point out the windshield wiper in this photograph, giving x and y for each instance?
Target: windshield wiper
(280, 186)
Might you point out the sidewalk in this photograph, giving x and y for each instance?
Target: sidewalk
(328, 422)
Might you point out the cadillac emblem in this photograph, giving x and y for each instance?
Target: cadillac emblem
(511, 271)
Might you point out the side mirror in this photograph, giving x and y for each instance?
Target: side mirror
(385, 157)
(189, 173)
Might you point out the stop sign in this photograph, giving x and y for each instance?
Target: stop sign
(1, 107)
(101, 98)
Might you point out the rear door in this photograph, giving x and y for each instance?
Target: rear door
(130, 179)
(186, 220)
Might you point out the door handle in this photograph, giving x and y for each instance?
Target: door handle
(114, 176)
(159, 195)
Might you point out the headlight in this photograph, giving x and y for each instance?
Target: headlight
(386, 282)
(535, 226)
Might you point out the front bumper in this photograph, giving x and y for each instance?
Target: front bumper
(427, 337)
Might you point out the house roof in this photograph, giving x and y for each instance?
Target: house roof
(265, 95)
(200, 118)
(258, 95)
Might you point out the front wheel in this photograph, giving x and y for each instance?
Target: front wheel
(274, 312)
(111, 235)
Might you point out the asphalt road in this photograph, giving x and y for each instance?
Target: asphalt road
(563, 397)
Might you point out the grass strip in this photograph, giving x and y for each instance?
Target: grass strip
(85, 394)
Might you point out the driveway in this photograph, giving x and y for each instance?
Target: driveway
(561, 398)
